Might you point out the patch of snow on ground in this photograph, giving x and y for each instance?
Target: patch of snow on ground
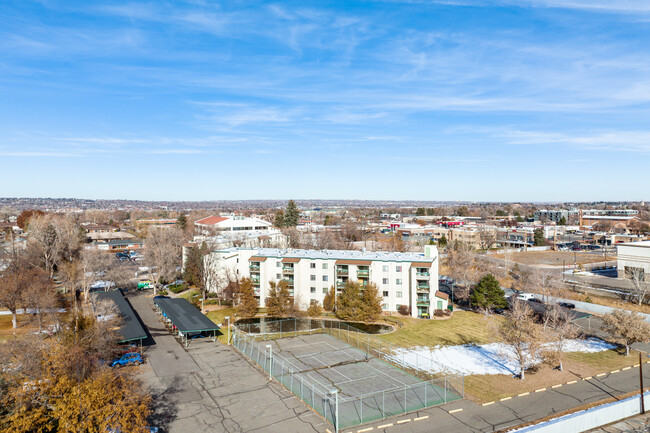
(493, 358)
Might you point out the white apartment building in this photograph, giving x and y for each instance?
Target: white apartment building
(213, 224)
(402, 278)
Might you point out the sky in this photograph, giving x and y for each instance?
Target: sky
(499, 100)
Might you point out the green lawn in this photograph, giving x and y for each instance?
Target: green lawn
(189, 294)
(463, 327)
(218, 317)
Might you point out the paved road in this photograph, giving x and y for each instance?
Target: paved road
(211, 388)
(475, 418)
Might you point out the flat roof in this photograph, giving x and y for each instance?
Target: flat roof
(642, 244)
(333, 254)
(184, 315)
(131, 328)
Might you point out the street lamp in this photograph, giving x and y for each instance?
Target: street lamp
(228, 321)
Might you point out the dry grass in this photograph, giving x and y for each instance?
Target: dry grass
(25, 325)
(554, 258)
(577, 365)
(218, 316)
(461, 328)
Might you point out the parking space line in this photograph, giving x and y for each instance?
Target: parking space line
(487, 404)
(540, 390)
(626, 368)
(421, 418)
(365, 430)
(456, 410)
(523, 394)
(556, 386)
(403, 421)
(588, 378)
(601, 374)
(505, 398)
(384, 426)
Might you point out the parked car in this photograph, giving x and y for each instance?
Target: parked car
(525, 296)
(145, 284)
(568, 305)
(127, 359)
(161, 297)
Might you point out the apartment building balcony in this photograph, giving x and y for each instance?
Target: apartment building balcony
(287, 270)
(254, 268)
(340, 284)
(422, 302)
(361, 273)
(422, 274)
(342, 272)
(423, 287)
(255, 279)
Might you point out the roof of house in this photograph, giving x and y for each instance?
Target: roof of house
(257, 259)
(334, 254)
(211, 220)
(354, 262)
(442, 295)
(291, 260)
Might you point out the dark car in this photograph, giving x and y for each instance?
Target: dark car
(539, 301)
(161, 297)
(568, 305)
(128, 359)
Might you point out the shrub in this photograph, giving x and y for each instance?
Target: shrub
(162, 292)
(404, 310)
(177, 288)
(439, 313)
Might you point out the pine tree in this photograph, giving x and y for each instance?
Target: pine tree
(371, 303)
(329, 300)
(194, 269)
(488, 294)
(315, 310)
(538, 238)
(279, 219)
(420, 211)
(181, 222)
(291, 214)
(279, 302)
(247, 303)
(562, 221)
(442, 242)
(349, 304)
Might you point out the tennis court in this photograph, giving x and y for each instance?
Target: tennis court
(346, 385)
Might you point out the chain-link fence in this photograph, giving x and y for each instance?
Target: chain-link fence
(344, 411)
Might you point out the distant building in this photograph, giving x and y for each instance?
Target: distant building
(213, 224)
(633, 255)
(402, 278)
(555, 215)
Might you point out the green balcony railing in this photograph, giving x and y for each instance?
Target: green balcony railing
(362, 273)
(422, 274)
(255, 279)
(287, 270)
(342, 271)
(423, 302)
(255, 268)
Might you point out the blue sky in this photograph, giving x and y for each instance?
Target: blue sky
(519, 100)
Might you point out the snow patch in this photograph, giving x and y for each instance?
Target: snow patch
(493, 358)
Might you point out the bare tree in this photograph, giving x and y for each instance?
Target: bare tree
(92, 266)
(51, 239)
(522, 334)
(638, 286)
(460, 261)
(39, 295)
(13, 284)
(627, 327)
(163, 249)
(487, 236)
(559, 329)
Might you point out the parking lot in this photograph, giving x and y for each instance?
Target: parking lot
(210, 388)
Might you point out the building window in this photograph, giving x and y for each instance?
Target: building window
(324, 267)
(398, 281)
(398, 294)
(312, 265)
(278, 276)
(385, 293)
(312, 290)
(324, 277)
(312, 278)
(384, 268)
(278, 264)
(384, 306)
(398, 268)
(384, 280)
(325, 290)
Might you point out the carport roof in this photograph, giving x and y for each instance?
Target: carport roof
(184, 315)
(131, 328)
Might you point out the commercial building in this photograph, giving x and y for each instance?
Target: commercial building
(555, 215)
(234, 223)
(633, 256)
(401, 278)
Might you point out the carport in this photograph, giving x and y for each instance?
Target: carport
(131, 330)
(184, 318)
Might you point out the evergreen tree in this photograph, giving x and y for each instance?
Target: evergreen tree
(315, 309)
(279, 302)
(247, 303)
(538, 239)
(488, 294)
(420, 212)
(291, 214)
(279, 219)
(442, 242)
(348, 304)
(329, 300)
(562, 221)
(371, 303)
(194, 267)
(181, 222)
